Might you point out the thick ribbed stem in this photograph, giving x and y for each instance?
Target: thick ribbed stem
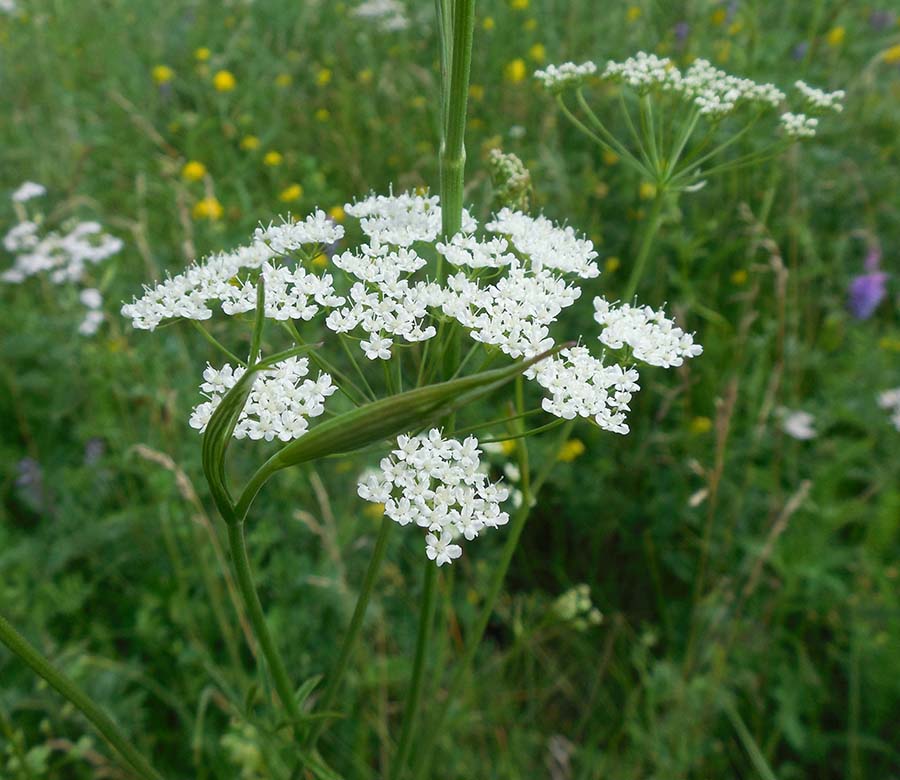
(453, 150)
(71, 692)
(640, 262)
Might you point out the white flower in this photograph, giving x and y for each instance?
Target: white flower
(402, 219)
(797, 424)
(819, 100)
(28, 190)
(440, 550)
(439, 485)
(580, 385)
(389, 14)
(559, 77)
(91, 298)
(279, 405)
(316, 229)
(890, 400)
(91, 322)
(653, 337)
(798, 125)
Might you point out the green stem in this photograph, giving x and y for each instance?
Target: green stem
(425, 751)
(254, 609)
(356, 621)
(453, 150)
(72, 693)
(216, 343)
(414, 695)
(640, 262)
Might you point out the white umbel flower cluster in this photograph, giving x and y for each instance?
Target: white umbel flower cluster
(559, 77)
(389, 15)
(718, 93)
(581, 385)
(279, 405)
(402, 219)
(652, 337)
(437, 484)
(798, 125)
(316, 230)
(28, 190)
(291, 291)
(63, 255)
(890, 400)
(820, 100)
(383, 303)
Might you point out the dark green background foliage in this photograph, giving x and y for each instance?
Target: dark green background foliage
(748, 581)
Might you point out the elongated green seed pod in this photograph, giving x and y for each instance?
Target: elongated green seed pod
(380, 420)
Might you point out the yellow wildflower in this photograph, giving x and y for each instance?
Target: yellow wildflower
(647, 190)
(283, 80)
(291, 193)
(476, 92)
(373, 511)
(320, 260)
(836, 35)
(323, 115)
(530, 24)
(572, 449)
(193, 171)
(612, 264)
(610, 157)
(249, 143)
(488, 23)
(224, 81)
(633, 13)
(515, 71)
(208, 208)
(163, 74)
(518, 5)
(365, 76)
(323, 77)
(739, 277)
(273, 159)
(202, 54)
(719, 16)
(700, 425)
(337, 213)
(735, 27)
(538, 52)
(889, 344)
(508, 447)
(892, 55)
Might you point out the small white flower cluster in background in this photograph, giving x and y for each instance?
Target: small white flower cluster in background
(64, 255)
(819, 99)
(390, 15)
(797, 424)
(581, 385)
(713, 92)
(279, 405)
(558, 77)
(798, 125)
(644, 72)
(437, 484)
(652, 337)
(28, 190)
(92, 300)
(890, 400)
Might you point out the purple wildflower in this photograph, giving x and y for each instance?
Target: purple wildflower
(682, 30)
(868, 290)
(799, 50)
